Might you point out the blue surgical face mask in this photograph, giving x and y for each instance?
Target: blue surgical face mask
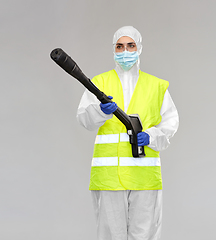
(126, 59)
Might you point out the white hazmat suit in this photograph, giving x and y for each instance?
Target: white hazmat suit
(129, 215)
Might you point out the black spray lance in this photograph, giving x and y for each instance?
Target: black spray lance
(132, 122)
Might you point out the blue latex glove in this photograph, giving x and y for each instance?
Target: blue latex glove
(142, 139)
(108, 108)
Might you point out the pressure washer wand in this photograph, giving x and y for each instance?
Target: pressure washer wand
(131, 122)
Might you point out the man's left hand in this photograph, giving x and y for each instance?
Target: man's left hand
(142, 139)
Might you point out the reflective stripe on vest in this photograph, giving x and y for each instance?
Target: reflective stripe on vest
(111, 138)
(125, 161)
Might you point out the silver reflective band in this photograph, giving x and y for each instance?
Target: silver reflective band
(126, 161)
(111, 138)
(108, 138)
(124, 137)
(105, 161)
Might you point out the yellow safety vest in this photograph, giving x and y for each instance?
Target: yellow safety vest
(113, 166)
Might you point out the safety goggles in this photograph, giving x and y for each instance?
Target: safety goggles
(120, 47)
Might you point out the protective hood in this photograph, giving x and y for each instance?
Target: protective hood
(131, 32)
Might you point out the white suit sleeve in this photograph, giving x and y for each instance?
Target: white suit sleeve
(89, 114)
(161, 134)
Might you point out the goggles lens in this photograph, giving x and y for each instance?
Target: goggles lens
(120, 47)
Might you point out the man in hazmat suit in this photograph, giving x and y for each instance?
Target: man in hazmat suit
(127, 191)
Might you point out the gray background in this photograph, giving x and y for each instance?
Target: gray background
(46, 156)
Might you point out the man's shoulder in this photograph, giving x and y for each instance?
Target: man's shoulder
(100, 79)
(153, 78)
(105, 74)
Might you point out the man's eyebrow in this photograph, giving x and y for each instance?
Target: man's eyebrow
(127, 43)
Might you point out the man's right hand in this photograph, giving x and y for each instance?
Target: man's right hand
(108, 108)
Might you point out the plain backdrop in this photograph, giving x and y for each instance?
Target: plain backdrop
(45, 156)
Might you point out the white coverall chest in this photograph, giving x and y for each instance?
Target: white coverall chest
(128, 80)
